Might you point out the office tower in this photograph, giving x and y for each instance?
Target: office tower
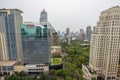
(55, 39)
(36, 43)
(55, 46)
(67, 31)
(76, 35)
(53, 34)
(68, 36)
(59, 33)
(69, 39)
(88, 32)
(43, 16)
(82, 31)
(105, 44)
(82, 35)
(10, 36)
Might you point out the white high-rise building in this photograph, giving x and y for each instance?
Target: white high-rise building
(105, 44)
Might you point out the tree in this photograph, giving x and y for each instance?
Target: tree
(77, 55)
(52, 72)
(93, 78)
(56, 55)
(68, 78)
(32, 78)
(61, 72)
(13, 77)
(22, 73)
(43, 77)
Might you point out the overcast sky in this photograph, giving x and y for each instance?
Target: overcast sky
(75, 14)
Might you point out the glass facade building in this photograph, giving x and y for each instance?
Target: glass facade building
(36, 44)
(7, 68)
(10, 37)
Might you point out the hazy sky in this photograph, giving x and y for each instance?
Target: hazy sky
(75, 14)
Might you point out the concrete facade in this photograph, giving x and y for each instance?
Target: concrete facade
(88, 74)
(105, 44)
(31, 68)
(55, 49)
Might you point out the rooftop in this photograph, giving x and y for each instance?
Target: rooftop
(7, 63)
(112, 9)
(44, 12)
(5, 10)
(92, 72)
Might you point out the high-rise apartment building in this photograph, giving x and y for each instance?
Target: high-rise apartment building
(36, 43)
(88, 32)
(105, 44)
(10, 36)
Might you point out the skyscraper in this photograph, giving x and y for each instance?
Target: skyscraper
(36, 43)
(69, 39)
(82, 35)
(43, 16)
(67, 31)
(88, 32)
(105, 44)
(10, 36)
(53, 34)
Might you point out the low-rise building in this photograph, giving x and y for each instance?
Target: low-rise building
(31, 68)
(7, 67)
(11, 67)
(87, 73)
(36, 68)
(55, 49)
(18, 68)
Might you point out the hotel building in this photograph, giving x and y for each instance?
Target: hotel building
(105, 45)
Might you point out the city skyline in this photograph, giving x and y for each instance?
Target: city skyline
(75, 14)
(36, 46)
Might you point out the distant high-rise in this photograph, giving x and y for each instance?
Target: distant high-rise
(68, 36)
(69, 39)
(88, 32)
(82, 31)
(67, 31)
(10, 36)
(82, 35)
(53, 34)
(36, 43)
(105, 44)
(43, 16)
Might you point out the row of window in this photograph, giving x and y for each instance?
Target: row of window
(110, 17)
